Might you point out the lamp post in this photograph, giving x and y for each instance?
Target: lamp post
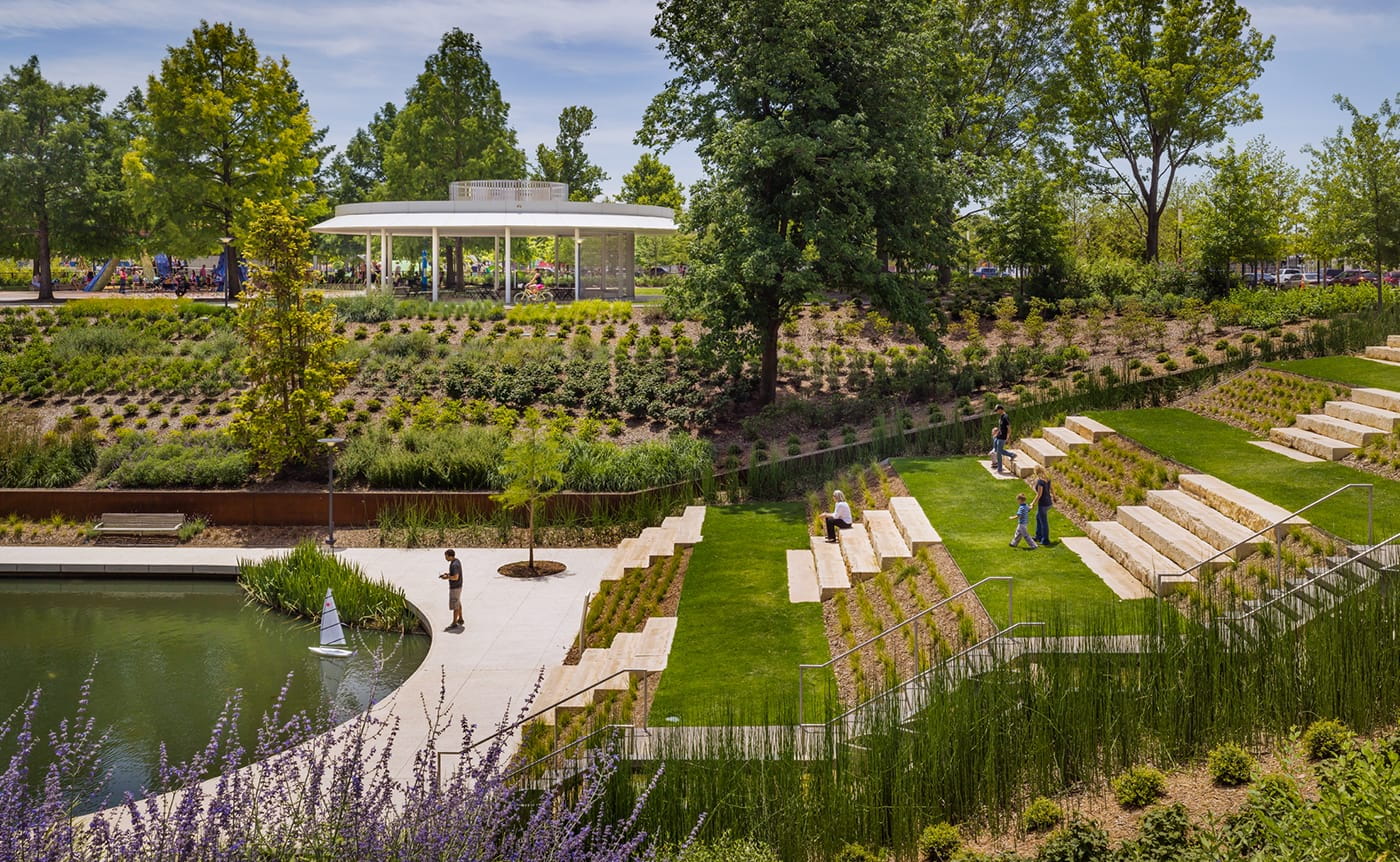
(330, 443)
(226, 240)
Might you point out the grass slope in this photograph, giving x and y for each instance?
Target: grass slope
(739, 640)
(1225, 452)
(971, 511)
(1351, 370)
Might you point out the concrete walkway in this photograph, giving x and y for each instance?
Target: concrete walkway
(515, 628)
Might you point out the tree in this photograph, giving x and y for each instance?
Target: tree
(453, 126)
(357, 173)
(1354, 189)
(1155, 83)
(532, 468)
(803, 128)
(291, 366)
(651, 183)
(1249, 205)
(1027, 230)
(567, 162)
(60, 177)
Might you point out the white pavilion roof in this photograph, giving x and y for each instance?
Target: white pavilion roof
(482, 218)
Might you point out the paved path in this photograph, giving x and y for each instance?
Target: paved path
(514, 627)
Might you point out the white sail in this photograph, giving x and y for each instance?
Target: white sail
(332, 634)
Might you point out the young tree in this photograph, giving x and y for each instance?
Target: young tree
(223, 125)
(532, 468)
(651, 183)
(291, 366)
(1154, 84)
(1354, 189)
(60, 177)
(567, 162)
(1027, 230)
(1249, 206)
(803, 128)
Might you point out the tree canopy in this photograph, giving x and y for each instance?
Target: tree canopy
(1249, 206)
(651, 183)
(567, 162)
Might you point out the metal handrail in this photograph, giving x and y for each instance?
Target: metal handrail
(803, 668)
(1315, 578)
(630, 728)
(911, 680)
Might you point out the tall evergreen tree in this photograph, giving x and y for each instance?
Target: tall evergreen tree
(651, 183)
(567, 162)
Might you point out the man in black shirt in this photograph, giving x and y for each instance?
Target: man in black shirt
(453, 576)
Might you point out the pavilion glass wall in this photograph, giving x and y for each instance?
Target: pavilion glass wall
(606, 264)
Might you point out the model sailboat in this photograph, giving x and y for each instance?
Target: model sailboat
(332, 635)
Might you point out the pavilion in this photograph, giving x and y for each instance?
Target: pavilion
(604, 234)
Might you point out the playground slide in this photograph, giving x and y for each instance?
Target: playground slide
(103, 276)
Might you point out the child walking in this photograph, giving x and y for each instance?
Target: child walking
(1022, 516)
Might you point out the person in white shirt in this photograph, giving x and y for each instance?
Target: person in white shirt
(840, 516)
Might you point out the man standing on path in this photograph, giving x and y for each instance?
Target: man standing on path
(1000, 438)
(453, 576)
(1043, 502)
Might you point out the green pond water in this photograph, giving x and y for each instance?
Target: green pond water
(168, 655)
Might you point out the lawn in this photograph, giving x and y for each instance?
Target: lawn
(971, 511)
(739, 640)
(1225, 452)
(1351, 370)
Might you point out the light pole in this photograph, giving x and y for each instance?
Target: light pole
(226, 240)
(330, 444)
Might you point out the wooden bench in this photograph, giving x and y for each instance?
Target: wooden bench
(152, 524)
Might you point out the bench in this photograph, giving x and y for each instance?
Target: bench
(160, 523)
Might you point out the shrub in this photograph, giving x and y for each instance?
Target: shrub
(859, 853)
(204, 459)
(1230, 765)
(457, 458)
(1139, 786)
(939, 842)
(29, 459)
(1080, 841)
(726, 849)
(1326, 738)
(1041, 815)
(1164, 836)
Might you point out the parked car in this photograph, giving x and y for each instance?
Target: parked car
(1290, 277)
(1329, 276)
(1393, 277)
(985, 272)
(1355, 276)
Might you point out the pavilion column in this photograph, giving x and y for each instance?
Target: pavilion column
(369, 259)
(495, 264)
(508, 267)
(435, 264)
(386, 260)
(578, 244)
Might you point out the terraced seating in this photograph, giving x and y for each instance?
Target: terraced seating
(1311, 443)
(1382, 398)
(1209, 524)
(1040, 451)
(1238, 504)
(889, 544)
(1387, 421)
(831, 567)
(1345, 426)
(637, 652)
(1169, 538)
(687, 526)
(1088, 428)
(1389, 352)
(1065, 439)
(913, 524)
(858, 552)
(1142, 560)
(1338, 429)
(880, 540)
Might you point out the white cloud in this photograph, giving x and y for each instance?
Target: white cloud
(1306, 26)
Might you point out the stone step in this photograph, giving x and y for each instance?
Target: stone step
(913, 524)
(1364, 414)
(1140, 559)
(1205, 522)
(1064, 439)
(624, 558)
(693, 522)
(1392, 341)
(660, 542)
(1040, 451)
(890, 547)
(1311, 443)
(859, 552)
(1338, 429)
(832, 576)
(802, 577)
(1385, 399)
(1386, 354)
(1090, 428)
(654, 646)
(1253, 511)
(1169, 538)
(1021, 467)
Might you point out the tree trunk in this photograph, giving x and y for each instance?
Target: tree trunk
(43, 266)
(530, 537)
(451, 271)
(231, 271)
(460, 283)
(768, 370)
(1154, 230)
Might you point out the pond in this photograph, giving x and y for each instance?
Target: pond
(164, 657)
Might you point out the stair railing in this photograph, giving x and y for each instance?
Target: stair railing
(803, 668)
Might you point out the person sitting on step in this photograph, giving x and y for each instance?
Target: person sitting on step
(839, 516)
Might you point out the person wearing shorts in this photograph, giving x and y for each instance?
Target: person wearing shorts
(453, 576)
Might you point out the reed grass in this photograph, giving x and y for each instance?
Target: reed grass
(296, 583)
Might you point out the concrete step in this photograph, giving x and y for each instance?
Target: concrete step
(1169, 538)
(802, 577)
(1064, 439)
(913, 524)
(1311, 443)
(1090, 428)
(1253, 511)
(1364, 414)
(692, 523)
(1040, 451)
(654, 644)
(659, 542)
(1207, 523)
(1386, 354)
(832, 576)
(624, 558)
(1385, 399)
(1392, 341)
(1140, 559)
(1021, 466)
(1338, 429)
(859, 552)
(890, 547)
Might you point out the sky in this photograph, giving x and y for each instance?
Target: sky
(352, 56)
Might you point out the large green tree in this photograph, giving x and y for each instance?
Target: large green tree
(223, 126)
(454, 125)
(60, 177)
(1354, 189)
(1027, 228)
(1249, 207)
(566, 162)
(651, 183)
(1156, 82)
(801, 112)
